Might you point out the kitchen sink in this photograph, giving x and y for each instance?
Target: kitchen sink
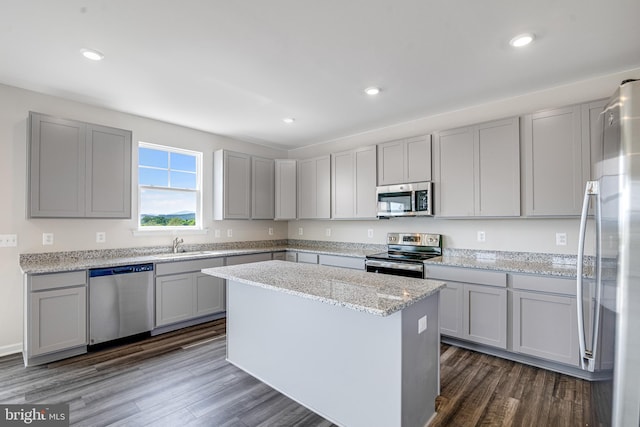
(183, 254)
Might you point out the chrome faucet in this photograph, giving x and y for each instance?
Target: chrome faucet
(176, 244)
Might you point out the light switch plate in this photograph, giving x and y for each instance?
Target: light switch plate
(229, 232)
(8, 240)
(561, 239)
(300, 231)
(270, 231)
(327, 232)
(370, 233)
(216, 233)
(481, 236)
(101, 237)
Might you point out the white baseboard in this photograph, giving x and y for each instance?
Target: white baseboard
(6, 350)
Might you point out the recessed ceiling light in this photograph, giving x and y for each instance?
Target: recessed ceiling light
(92, 54)
(521, 40)
(372, 90)
(288, 120)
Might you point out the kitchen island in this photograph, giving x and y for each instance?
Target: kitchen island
(360, 349)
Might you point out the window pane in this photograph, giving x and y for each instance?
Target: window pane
(157, 177)
(155, 158)
(183, 180)
(183, 162)
(162, 208)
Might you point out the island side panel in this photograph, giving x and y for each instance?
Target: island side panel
(420, 362)
(343, 364)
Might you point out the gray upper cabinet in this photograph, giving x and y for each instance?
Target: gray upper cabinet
(405, 160)
(353, 183)
(262, 188)
(592, 126)
(78, 169)
(314, 189)
(477, 170)
(285, 191)
(556, 162)
(231, 185)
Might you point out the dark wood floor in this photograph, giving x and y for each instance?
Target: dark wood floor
(182, 378)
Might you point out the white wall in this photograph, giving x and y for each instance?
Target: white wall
(79, 234)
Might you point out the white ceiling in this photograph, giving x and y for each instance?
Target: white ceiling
(238, 67)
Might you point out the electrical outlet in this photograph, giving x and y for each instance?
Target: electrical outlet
(370, 233)
(101, 237)
(481, 236)
(327, 232)
(216, 233)
(422, 324)
(270, 231)
(561, 239)
(300, 231)
(8, 240)
(229, 232)
(47, 238)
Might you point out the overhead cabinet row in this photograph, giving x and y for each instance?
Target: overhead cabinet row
(534, 166)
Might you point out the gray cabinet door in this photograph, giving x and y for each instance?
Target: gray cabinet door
(56, 167)
(455, 163)
(286, 189)
(497, 183)
(592, 126)
(545, 326)
(477, 170)
(451, 306)
(262, 188)
(405, 160)
(108, 172)
(353, 183)
(391, 168)
(231, 185)
(57, 320)
(365, 190)
(314, 188)
(209, 294)
(174, 298)
(418, 159)
(485, 315)
(553, 160)
(343, 184)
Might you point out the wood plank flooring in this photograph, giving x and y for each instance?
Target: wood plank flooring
(182, 378)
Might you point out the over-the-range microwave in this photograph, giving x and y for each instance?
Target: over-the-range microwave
(412, 199)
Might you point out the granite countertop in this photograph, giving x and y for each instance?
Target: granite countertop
(378, 294)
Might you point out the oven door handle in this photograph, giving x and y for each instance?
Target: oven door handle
(395, 265)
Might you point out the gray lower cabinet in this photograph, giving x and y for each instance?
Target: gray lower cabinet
(544, 318)
(341, 261)
(473, 304)
(55, 316)
(245, 259)
(78, 170)
(183, 293)
(477, 170)
(279, 256)
(291, 256)
(307, 258)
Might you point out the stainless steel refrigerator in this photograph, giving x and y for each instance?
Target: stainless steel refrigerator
(609, 304)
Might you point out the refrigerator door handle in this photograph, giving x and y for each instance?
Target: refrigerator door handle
(586, 355)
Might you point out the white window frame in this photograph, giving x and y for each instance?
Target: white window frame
(198, 191)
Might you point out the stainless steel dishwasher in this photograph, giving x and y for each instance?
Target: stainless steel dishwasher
(121, 302)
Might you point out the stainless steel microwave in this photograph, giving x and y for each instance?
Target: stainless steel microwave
(413, 199)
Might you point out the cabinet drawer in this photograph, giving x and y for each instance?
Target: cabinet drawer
(307, 258)
(245, 259)
(57, 280)
(280, 256)
(553, 285)
(187, 266)
(342, 261)
(466, 275)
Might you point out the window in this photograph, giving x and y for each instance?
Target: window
(169, 188)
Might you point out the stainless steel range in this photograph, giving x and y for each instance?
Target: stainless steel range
(406, 253)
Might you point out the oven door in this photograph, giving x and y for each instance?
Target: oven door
(405, 269)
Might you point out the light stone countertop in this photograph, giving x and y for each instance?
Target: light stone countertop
(378, 294)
